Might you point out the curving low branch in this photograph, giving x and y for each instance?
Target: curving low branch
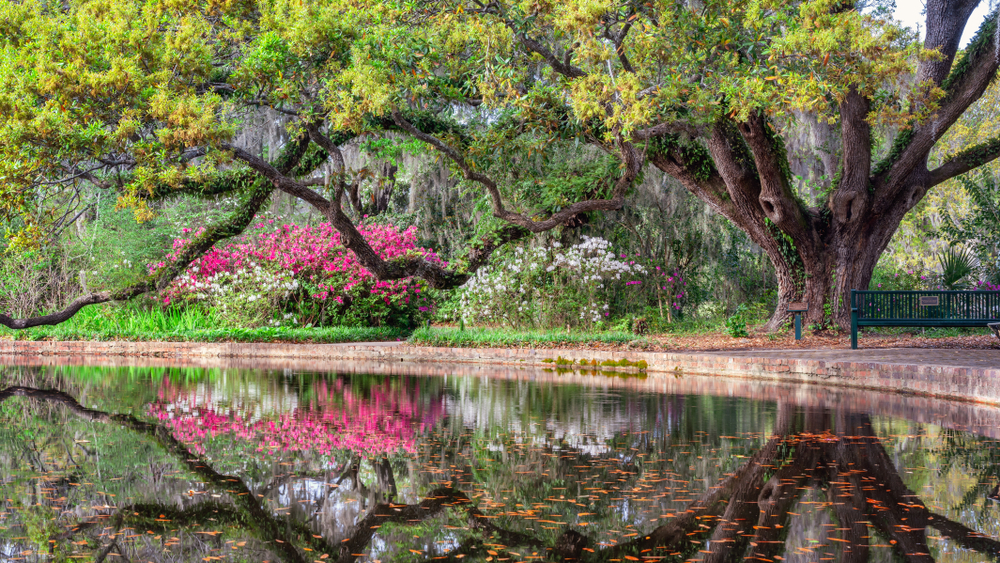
(259, 193)
(631, 158)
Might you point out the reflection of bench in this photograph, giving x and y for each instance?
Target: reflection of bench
(923, 309)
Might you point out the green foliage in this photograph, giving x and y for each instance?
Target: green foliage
(956, 266)
(693, 155)
(471, 337)
(888, 280)
(736, 324)
(980, 231)
(35, 281)
(118, 250)
(138, 321)
(150, 103)
(567, 181)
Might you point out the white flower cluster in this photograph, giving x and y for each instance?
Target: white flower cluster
(250, 291)
(546, 286)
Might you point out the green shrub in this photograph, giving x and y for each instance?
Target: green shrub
(736, 324)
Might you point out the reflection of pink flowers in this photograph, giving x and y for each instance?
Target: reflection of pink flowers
(388, 420)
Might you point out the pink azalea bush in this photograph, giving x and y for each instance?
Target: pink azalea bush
(290, 274)
(386, 419)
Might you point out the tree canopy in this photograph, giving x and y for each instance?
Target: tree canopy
(143, 99)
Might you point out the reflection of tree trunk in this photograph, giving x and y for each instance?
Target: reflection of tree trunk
(779, 495)
(384, 478)
(116, 525)
(847, 497)
(849, 508)
(783, 490)
(965, 536)
(893, 508)
(733, 532)
(731, 537)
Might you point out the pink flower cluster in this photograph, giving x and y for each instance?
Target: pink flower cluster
(387, 421)
(312, 254)
(674, 286)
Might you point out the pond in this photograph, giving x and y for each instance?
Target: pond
(417, 464)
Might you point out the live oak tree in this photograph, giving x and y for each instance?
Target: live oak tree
(708, 93)
(143, 99)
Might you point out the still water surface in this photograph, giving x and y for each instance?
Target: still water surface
(169, 464)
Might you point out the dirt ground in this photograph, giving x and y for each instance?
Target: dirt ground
(762, 341)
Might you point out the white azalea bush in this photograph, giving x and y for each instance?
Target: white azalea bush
(550, 286)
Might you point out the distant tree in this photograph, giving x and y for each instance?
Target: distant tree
(144, 100)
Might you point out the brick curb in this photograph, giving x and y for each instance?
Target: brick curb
(971, 384)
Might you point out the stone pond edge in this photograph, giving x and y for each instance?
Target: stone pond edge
(970, 384)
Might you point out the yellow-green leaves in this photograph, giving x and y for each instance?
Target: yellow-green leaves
(104, 81)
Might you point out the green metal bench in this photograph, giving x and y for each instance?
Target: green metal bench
(923, 309)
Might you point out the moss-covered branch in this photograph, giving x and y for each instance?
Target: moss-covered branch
(966, 160)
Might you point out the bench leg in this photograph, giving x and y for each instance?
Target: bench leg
(854, 329)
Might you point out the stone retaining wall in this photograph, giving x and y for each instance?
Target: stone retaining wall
(981, 385)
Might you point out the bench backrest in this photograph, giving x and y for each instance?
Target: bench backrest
(926, 305)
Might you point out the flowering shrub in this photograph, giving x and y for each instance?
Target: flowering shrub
(293, 275)
(670, 289)
(550, 286)
(986, 286)
(899, 280)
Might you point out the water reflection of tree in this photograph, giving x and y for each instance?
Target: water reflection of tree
(746, 514)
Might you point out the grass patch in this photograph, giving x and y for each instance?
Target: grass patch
(109, 322)
(472, 337)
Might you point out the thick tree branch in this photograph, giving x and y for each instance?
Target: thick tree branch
(777, 198)
(631, 158)
(437, 276)
(966, 160)
(563, 67)
(619, 40)
(966, 84)
(946, 19)
(692, 166)
(851, 199)
(279, 180)
(668, 128)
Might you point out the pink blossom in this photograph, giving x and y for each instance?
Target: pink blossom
(309, 253)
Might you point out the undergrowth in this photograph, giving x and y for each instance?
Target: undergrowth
(470, 337)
